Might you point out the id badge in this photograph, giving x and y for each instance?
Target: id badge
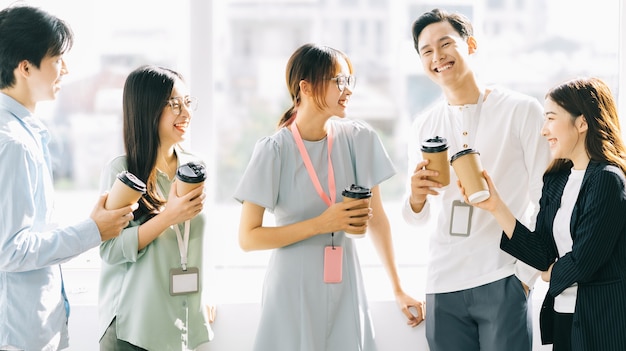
(333, 258)
(461, 218)
(184, 282)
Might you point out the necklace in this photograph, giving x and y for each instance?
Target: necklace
(167, 165)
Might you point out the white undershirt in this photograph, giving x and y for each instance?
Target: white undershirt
(566, 301)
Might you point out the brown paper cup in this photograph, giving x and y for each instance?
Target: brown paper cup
(352, 193)
(469, 170)
(126, 190)
(189, 176)
(436, 151)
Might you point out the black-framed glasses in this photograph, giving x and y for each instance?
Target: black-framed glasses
(345, 81)
(176, 103)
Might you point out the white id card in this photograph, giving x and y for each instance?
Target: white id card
(461, 218)
(184, 282)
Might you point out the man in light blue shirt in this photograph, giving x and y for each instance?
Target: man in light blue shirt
(33, 307)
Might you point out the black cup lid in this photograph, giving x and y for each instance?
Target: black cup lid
(191, 172)
(462, 153)
(356, 192)
(132, 181)
(436, 144)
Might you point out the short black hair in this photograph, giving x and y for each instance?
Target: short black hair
(459, 22)
(29, 33)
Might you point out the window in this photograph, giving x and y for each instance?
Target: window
(234, 60)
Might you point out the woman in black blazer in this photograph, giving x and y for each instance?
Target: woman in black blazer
(579, 242)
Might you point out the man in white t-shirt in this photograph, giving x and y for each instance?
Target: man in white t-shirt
(477, 296)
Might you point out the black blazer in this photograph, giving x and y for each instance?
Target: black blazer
(597, 261)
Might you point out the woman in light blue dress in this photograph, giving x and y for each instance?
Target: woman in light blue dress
(289, 174)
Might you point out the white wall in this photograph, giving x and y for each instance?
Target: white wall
(236, 324)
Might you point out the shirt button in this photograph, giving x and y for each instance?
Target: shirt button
(465, 146)
(464, 133)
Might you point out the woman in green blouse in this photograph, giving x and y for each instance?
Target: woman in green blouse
(142, 305)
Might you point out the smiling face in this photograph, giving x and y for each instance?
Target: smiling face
(173, 128)
(337, 100)
(443, 53)
(565, 133)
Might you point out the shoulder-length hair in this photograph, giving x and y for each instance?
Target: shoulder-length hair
(592, 98)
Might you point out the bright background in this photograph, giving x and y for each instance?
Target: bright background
(233, 54)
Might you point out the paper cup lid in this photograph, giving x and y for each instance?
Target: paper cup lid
(357, 192)
(463, 153)
(436, 144)
(192, 172)
(132, 181)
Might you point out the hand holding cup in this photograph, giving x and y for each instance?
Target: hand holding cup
(356, 192)
(469, 170)
(189, 176)
(126, 190)
(435, 150)
(492, 202)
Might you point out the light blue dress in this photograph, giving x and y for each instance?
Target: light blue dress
(300, 311)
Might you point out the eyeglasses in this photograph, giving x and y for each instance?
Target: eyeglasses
(176, 103)
(345, 81)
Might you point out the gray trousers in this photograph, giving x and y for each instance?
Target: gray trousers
(492, 317)
(110, 342)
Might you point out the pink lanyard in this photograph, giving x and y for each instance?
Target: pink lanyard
(309, 166)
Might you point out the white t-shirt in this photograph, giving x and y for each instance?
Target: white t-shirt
(566, 301)
(507, 136)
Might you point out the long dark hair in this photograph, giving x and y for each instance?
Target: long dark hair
(316, 64)
(592, 98)
(146, 92)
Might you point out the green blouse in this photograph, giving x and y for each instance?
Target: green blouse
(134, 284)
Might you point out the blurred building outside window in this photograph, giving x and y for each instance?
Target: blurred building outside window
(233, 54)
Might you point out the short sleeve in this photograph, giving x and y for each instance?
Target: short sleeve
(260, 181)
(371, 161)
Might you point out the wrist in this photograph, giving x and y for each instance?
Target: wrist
(417, 204)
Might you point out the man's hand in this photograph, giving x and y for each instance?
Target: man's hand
(111, 222)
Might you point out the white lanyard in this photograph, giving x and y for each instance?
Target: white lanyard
(183, 243)
(182, 240)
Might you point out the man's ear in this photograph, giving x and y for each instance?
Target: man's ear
(23, 68)
(472, 44)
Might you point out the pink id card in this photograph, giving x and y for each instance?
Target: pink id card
(333, 258)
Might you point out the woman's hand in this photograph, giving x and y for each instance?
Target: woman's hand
(211, 311)
(545, 276)
(494, 205)
(181, 208)
(351, 216)
(491, 203)
(415, 311)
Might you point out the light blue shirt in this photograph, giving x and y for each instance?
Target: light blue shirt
(32, 305)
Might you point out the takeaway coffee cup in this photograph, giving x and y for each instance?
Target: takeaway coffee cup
(127, 189)
(189, 176)
(356, 192)
(469, 170)
(436, 151)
